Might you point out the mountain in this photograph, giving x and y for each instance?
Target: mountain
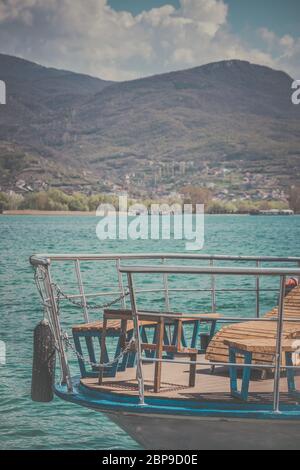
(40, 101)
(223, 124)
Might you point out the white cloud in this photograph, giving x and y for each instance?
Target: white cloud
(285, 51)
(268, 36)
(210, 14)
(287, 41)
(90, 37)
(182, 56)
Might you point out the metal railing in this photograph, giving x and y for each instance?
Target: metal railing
(43, 264)
(47, 259)
(282, 273)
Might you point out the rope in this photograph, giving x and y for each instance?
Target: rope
(61, 294)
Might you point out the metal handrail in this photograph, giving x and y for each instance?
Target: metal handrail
(47, 258)
(211, 270)
(162, 289)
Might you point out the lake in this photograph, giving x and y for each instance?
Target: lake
(59, 425)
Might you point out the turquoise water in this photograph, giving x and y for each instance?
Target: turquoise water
(58, 425)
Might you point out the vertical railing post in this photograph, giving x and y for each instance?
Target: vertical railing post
(166, 289)
(213, 290)
(139, 369)
(280, 318)
(81, 291)
(120, 281)
(66, 375)
(257, 287)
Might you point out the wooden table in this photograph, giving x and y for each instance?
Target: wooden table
(177, 346)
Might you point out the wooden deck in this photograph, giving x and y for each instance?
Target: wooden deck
(209, 387)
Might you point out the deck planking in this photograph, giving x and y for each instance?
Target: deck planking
(174, 385)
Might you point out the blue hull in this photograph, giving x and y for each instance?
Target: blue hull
(183, 424)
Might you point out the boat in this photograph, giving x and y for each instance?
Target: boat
(288, 212)
(146, 366)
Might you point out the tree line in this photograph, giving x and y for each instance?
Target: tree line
(57, 200)
(295, 199)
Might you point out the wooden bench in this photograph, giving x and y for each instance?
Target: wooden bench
(91, 330)
(217, 351)
(246, 348)
(114, 329)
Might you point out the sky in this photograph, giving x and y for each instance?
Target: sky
(127, 39)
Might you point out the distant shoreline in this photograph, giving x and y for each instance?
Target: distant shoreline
(68, 213)
(37, 213)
